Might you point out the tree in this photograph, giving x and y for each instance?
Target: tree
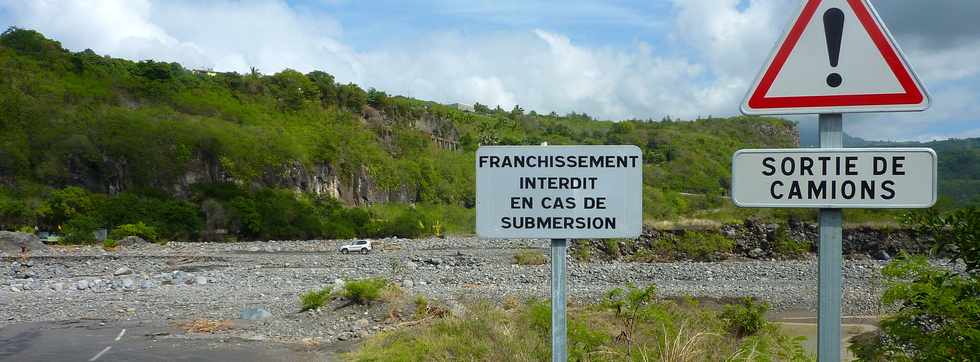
(376, 98)
(31, 42)
(517, 112)
(292, 89)
(352, 97)
(324, 82)
(159, 71)
(68, 203)
(480, 108)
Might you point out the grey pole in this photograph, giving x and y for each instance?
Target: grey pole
(830, 254)
(559, 349)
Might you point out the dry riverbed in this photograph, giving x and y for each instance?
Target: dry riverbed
(252, 288)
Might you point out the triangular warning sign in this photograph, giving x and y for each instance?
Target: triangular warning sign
(837, 57)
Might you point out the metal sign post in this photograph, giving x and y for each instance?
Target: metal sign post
(836, 57)
(830, 254)
(559, 344)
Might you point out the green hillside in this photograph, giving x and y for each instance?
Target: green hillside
(91, 141)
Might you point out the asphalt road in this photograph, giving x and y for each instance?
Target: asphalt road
(95, 340)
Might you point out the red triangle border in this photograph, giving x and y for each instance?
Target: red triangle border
(912, 94)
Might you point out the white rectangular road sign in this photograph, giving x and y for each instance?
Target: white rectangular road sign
(559, 192)
(835, 178)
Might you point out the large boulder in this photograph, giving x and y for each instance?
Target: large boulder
(15, 243)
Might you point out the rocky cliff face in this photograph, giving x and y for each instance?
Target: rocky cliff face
(320, 179)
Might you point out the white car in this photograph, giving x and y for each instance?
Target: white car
(362, 246)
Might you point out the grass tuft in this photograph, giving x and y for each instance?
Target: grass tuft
(530, 257)
(315, 299)
(365, 291)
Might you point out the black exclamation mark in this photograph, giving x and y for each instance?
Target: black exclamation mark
(833, 27)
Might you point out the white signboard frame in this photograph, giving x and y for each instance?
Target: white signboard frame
(563, 192)
(917, 188)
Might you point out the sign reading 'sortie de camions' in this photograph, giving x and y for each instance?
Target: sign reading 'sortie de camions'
(559, 192)
(835, 178)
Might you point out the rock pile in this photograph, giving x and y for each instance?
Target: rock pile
(14, 243)
(758, 240)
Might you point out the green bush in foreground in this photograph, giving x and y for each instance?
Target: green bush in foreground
(530, 257)
(662, 330)
(314, 299)
(629, 306)
(938, 316)
(364, 291)
(746, 318)
(938, 310)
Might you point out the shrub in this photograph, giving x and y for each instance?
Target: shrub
(629, 306)
(421, 307)
(410, 223)
(530, 257)
(583, 251)
(702, 246)
(110, 243)
(938, 311)
(787, 246)
(937, 318)
(746, 318)
(283, 215)
(364, 291)
(140, 229)
(663, 331)
(958, 230)
(612, 248)
(69, 203)
(314, 299)
(170, 218)
(80, 230)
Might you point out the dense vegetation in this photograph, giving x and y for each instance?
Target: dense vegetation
(629, 324)
(938, 310)
(89, 141)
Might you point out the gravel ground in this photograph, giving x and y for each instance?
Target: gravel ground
(188, 281)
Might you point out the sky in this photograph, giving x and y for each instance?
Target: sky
(611, 59)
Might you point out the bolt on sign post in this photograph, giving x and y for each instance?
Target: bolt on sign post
(836, 57)
(559, 193)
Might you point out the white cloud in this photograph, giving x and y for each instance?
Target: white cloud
(949, 64)
(223, 35)
(541, 70)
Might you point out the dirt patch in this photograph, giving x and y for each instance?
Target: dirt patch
(205, 326)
